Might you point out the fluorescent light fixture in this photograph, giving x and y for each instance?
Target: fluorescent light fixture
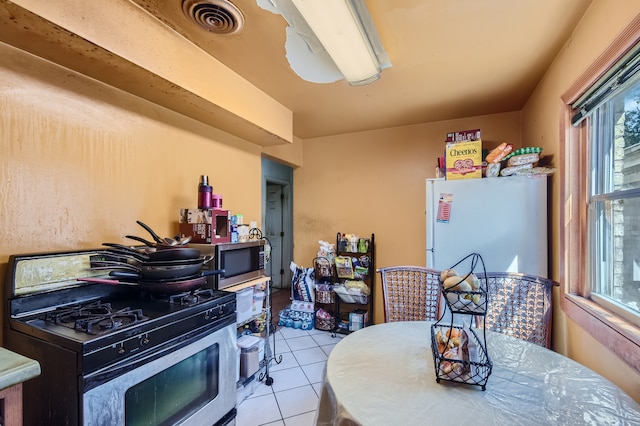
(339, 28)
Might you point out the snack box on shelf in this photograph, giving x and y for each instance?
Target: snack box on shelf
(205, 226)
(358, 319)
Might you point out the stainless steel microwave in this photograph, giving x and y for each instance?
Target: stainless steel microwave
(240, 261)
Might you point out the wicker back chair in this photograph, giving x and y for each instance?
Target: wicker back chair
(520, 305)
(410, 293)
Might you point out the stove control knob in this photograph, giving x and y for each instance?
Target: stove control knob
(207, 315)
(121, 349)
(144, 340)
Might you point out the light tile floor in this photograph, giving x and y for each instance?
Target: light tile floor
(292, 399)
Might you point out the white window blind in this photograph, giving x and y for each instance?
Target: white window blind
(612, 82)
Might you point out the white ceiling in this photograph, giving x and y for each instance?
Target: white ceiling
(450, 59)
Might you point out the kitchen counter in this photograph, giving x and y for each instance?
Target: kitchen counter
(15, 368)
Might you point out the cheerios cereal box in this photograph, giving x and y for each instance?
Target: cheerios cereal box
(463, 160)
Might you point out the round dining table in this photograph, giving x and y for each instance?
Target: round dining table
(385, 375)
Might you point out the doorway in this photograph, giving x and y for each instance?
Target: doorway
(278, 220)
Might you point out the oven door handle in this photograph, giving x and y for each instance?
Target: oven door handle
(108, 373)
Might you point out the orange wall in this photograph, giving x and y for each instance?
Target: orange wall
(81, 161)
(374, 182)
(541, 127)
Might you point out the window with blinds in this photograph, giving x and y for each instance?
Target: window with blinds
(609, 114)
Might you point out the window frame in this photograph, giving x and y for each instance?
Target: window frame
(614, 332)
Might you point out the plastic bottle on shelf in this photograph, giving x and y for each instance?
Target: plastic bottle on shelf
(205, 193)
(353, 244)
(342, 243)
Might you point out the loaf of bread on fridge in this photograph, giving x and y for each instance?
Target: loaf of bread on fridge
(518, 160)
(499, 153)
(508, 171)
(492, 170)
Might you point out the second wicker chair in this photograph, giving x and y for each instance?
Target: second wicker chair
(410, 293)
(520, 305)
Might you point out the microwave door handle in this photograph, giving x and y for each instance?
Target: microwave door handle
(213, 272)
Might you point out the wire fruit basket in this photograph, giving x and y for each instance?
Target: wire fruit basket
(460, 370)
(459, 354)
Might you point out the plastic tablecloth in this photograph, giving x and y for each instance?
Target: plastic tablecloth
(384, 375)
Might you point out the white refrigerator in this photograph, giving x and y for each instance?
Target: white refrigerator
(504, 219)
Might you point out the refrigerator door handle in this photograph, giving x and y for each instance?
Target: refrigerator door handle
(429, 213)
(430, 254)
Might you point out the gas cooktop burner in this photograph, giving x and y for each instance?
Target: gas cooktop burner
(191, 298)
(95, 318)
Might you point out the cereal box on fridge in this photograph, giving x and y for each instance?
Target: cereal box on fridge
(464, 135)
(463, 160)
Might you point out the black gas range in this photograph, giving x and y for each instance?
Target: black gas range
(118, 346)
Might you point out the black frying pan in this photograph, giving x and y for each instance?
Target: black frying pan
(151, 271)
(155, 236)
(142, 240)
(117, 253)
(123, 258)
(175, 286)
(140, 279)
(173, 253)
(158, 246)
(160, 287)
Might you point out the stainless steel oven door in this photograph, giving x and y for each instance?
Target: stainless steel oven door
(192, 385)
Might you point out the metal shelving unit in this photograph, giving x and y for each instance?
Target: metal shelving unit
(347, 303)
(268, 356)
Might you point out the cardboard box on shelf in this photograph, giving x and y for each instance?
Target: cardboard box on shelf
(358, 319)
(464, 135)
(205, 226)
(196, 216)
(199, 232)
(463, 160)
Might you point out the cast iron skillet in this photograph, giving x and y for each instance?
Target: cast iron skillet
(175, 269)
(157, 286)
(173, 253)
(166, 279)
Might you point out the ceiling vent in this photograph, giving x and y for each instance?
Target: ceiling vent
(216, 16)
